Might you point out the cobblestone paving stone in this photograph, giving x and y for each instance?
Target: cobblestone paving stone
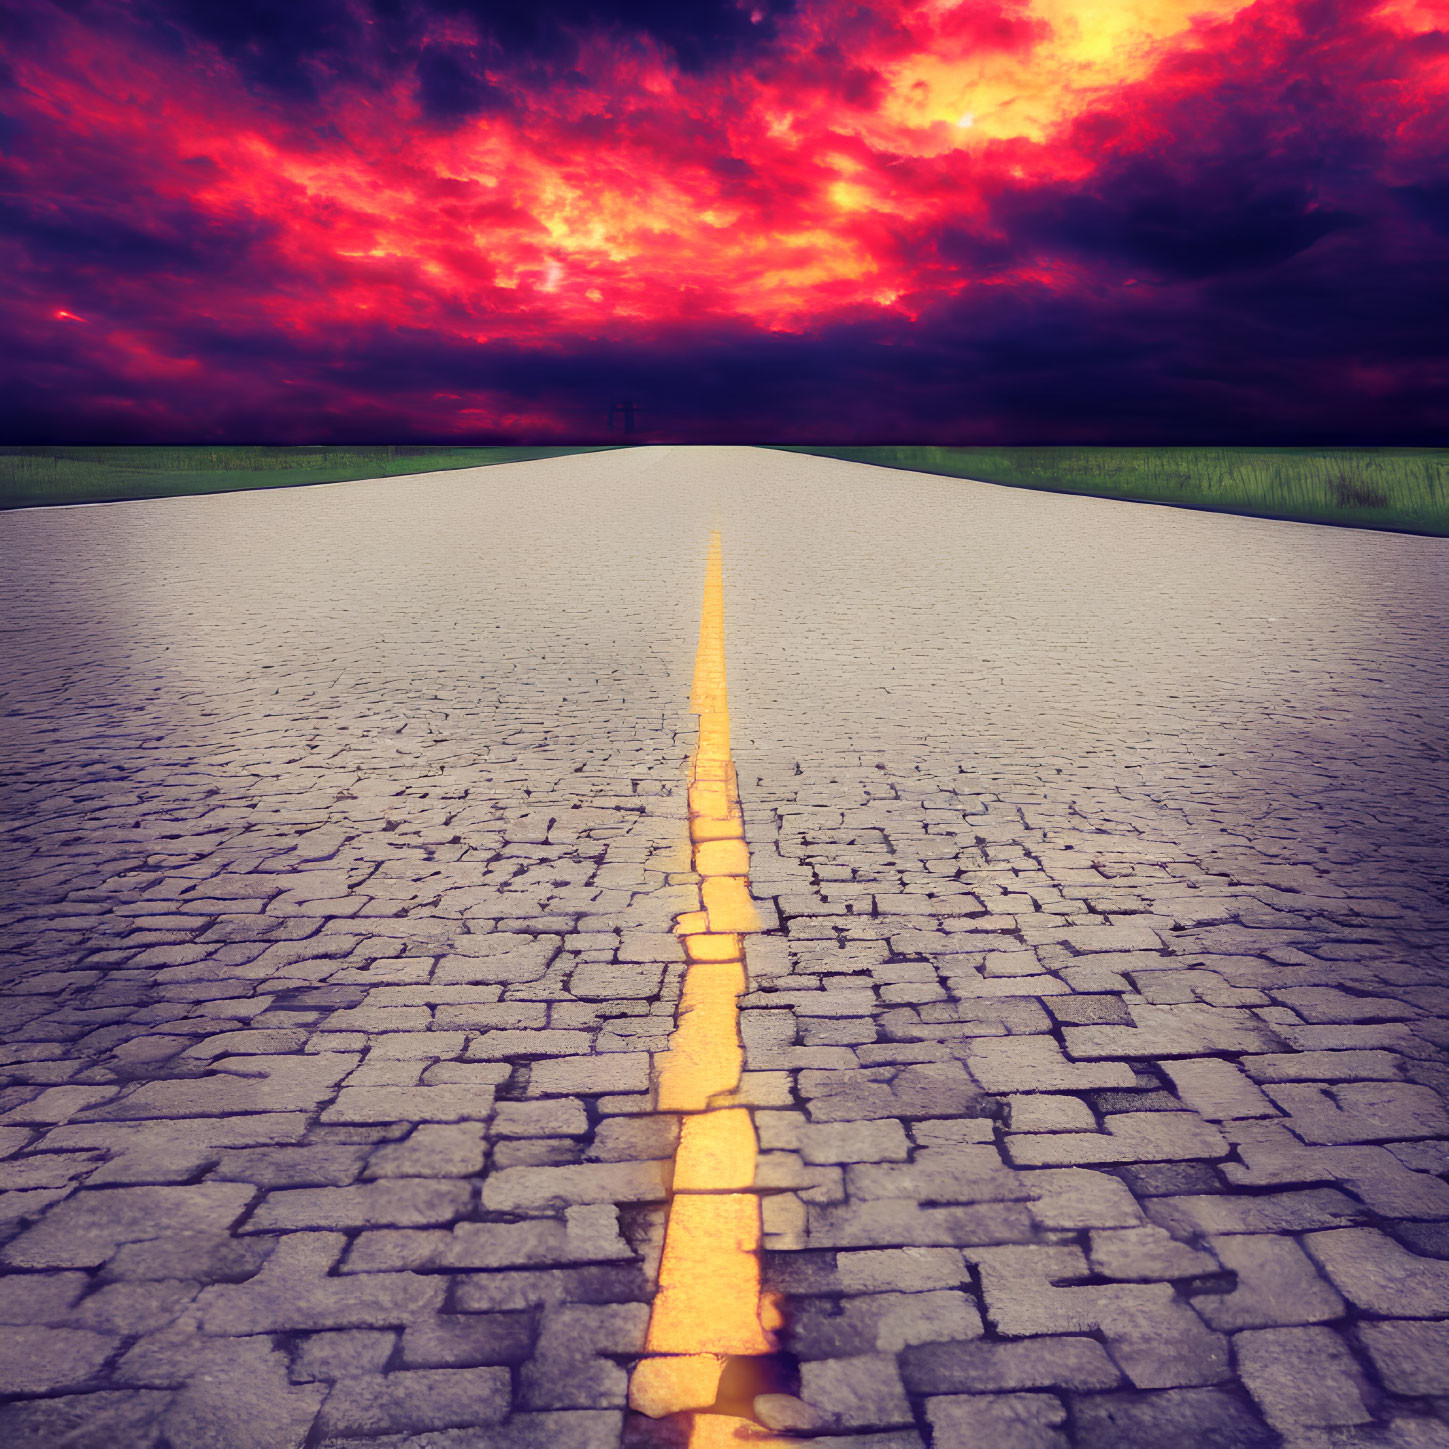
(1095, 1042)
(1101, 1041)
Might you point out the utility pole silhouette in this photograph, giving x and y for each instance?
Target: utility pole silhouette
(624, 411)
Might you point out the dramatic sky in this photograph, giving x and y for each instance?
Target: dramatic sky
(808, 220)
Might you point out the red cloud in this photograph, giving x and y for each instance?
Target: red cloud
(866, 165)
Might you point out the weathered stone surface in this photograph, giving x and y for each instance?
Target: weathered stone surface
(856, 1393)
(293, 1291)
(361, 966)
(100, 1420)
(1323, 1066)
(1051, 1114)
(575, 1363)
(1037, 1064)
(1031, 1363)
(590, 1076)
(1411, 1357)
(86, 1229)
(887, 1322)
(523, 1189)
(343, 1354)
(1278, 1212)
(468, 1340)
(827, 1142)
(1145, 1254)
(1125, 1137)
(1207, 1418)
(39, 1297)
(1069, 1197)
(998, 1421)
(1301, 1377)
(408, 1202)
(411, 1104)
(562, 1118)
(910, 1270)
(1158, 1342)
(1217, 1090)
(416, 1400)
(432, 1150)
(1185, 1030)
(41, 1360)
(1361, 1111)
(1277, 1285)
(1380, 1276)
(238, 1395)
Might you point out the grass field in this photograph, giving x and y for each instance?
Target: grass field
(33, 477)
(1394, 488)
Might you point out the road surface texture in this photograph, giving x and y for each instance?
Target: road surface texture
(1095, 1039)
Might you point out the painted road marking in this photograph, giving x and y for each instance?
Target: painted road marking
(709, 1308)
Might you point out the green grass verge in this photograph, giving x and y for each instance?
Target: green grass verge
(34, 477)
(1405, 489)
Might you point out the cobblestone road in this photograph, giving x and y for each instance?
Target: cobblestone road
(1096, 1041)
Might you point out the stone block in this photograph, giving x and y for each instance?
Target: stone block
(998, 1421)
(607, 981)
(1188, 1030)
(575, 1363)
(238, 1393)
(887, 1323)
(1145, 1255)
(920, 1090)
(1172, 1419)
(1048, 1113)
(551, 1189)
(1158, 1341)
(415, 1401)
(1089, 1010)
(468, 1340)
(343, 1354)
(1036, 1064)
(1003, 1365)
(878, 1140)
(1379, 1276)
(239, 1085)
(411, 1104)
(1217, 1090)
(1277, 1212)
(1323, 1066)
(85, 1229)
(1412, 1357)
(1070, 1198)
(1301, 1378)
(564, 1117)
(293, 1291)
(856, 1393)
(1277, 1286)
(39, 1297)
(402, 1202)
(318, 1165)
(909, 1270)
(1361, 1111)
(1125, 1137)
(56, 1104)
(432, 1149)
(36, 1360)
(634, 1139)
(965, 1172)
(94, 1420)
(590, 1075)
(1373, 1174)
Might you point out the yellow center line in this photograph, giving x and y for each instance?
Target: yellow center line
(709, 1307)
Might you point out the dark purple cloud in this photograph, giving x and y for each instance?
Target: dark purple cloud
(370, 220)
